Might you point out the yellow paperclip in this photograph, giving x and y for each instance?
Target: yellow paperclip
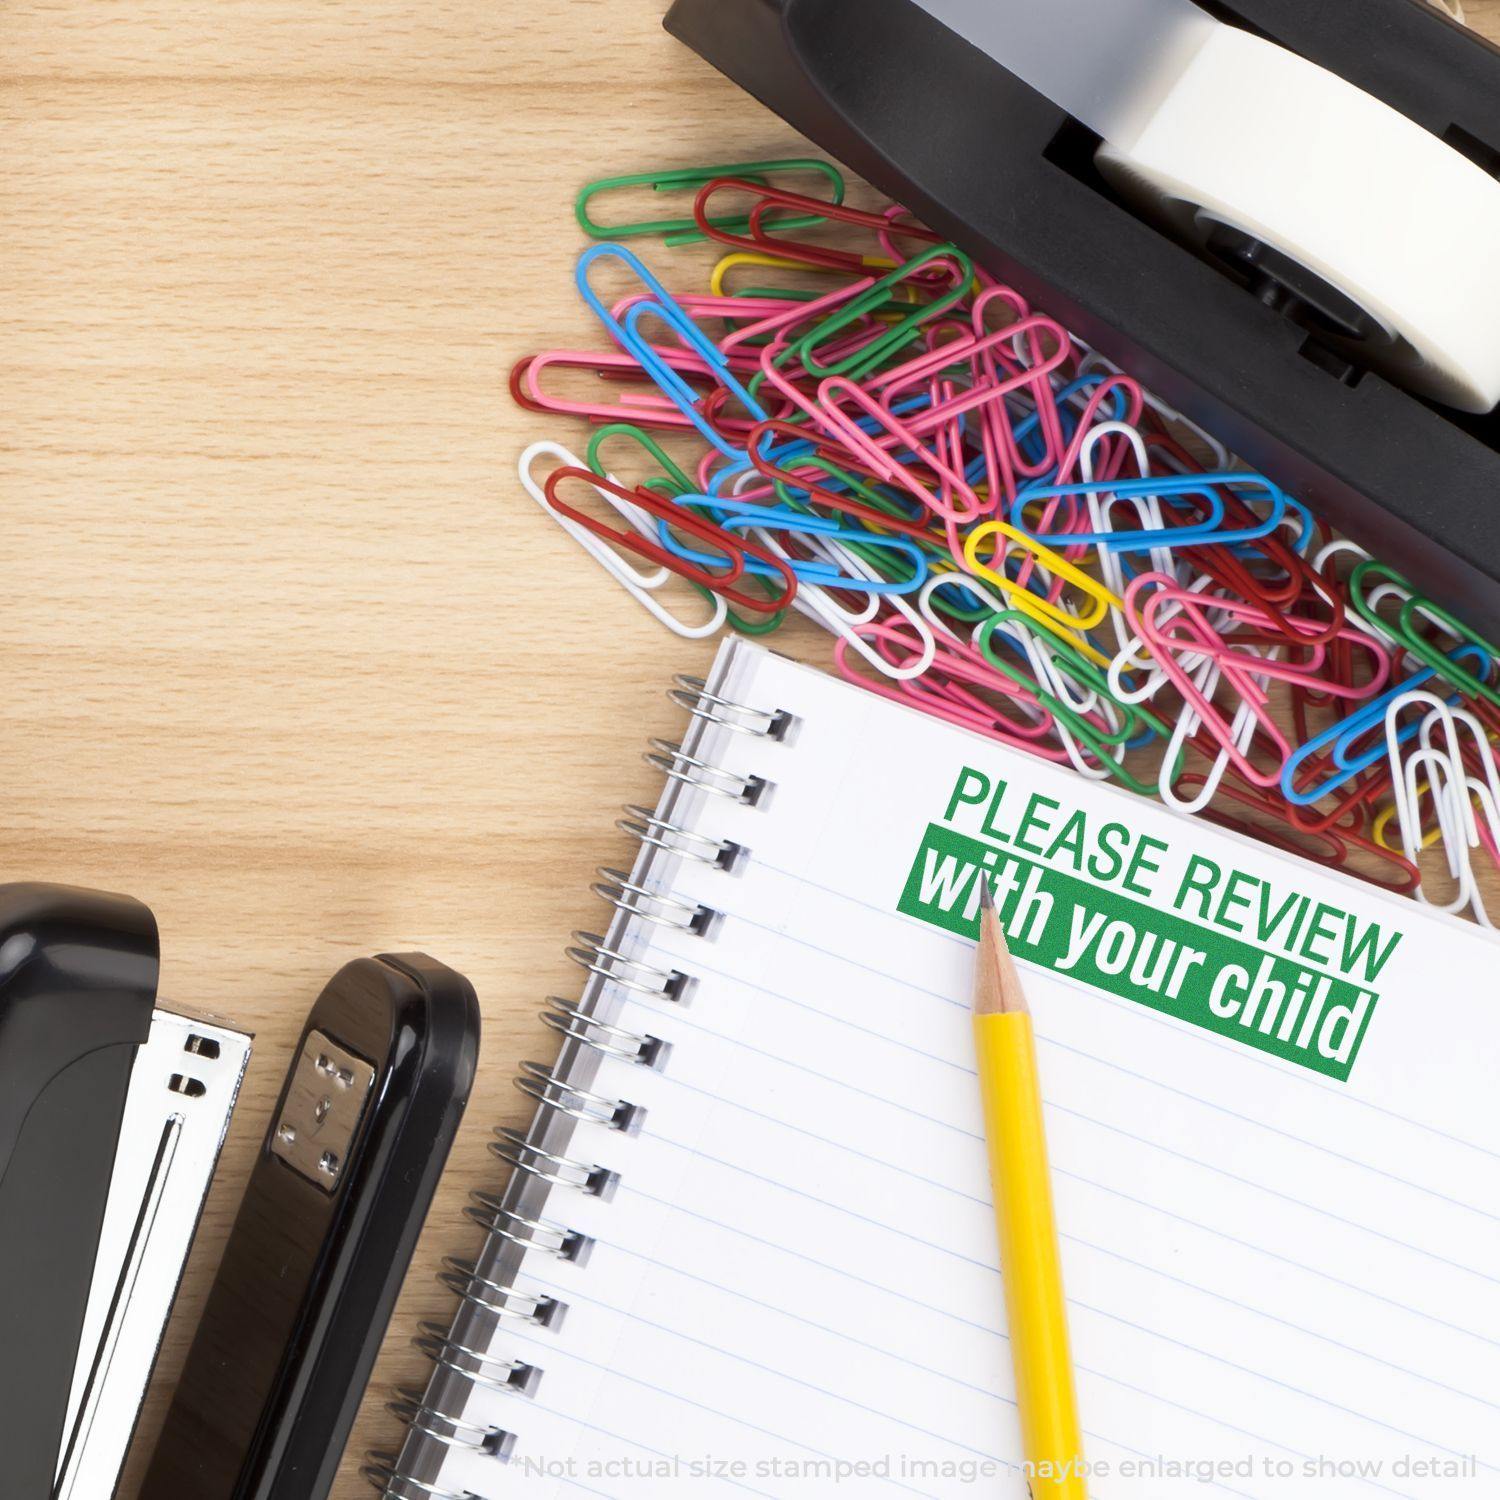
(1383, 822)
(1074, 638)
(1053, 616)
(779, 263)
(1028, 605)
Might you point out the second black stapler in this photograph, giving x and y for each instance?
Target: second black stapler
(324, 1234)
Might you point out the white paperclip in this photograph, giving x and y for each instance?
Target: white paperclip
(815, 601)
(1147, 509)
(636, 582)
(1223, 459)
(1242, 732)
(959, 580)
(1448, 785)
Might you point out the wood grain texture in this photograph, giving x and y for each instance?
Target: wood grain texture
(287, 654)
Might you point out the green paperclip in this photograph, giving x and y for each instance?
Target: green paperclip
(901, 333)
(671, 472)
(1082, 671)
(1404, 630)
(884, 293)
(685, 179)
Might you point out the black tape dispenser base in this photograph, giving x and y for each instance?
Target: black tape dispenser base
(1249, 345)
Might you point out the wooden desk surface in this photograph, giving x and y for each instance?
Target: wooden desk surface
(287, 654)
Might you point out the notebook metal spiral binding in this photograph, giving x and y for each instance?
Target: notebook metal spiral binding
(591, 952)
(536, 1082)
(557, 1171)
(451, 1432)
(603, 962)
(646, 828)
(569, 1020)
(381, 1471)
(486, 1210)
(478, 1367)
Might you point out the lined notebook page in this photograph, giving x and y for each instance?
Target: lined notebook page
(1283, 1283)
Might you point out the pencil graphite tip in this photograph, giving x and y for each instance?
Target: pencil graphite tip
(997, 985)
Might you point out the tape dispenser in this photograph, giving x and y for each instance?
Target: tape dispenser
(1284, 218)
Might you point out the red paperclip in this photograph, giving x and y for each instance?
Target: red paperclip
(769, 200)
(1295, 839)
(735, 548)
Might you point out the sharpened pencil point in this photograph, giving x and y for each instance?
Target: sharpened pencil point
(997, 986)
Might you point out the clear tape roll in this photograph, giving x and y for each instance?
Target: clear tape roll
(1262, 141)
(1107, 62)
(1210, 128)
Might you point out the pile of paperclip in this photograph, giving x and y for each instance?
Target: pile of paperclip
(1000, 528)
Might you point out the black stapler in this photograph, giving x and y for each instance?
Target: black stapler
(111, 1118)
(1248, 345)
(78, 977)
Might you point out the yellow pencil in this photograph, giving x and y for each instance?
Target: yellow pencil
(1029, 1260)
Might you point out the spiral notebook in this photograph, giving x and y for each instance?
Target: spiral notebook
(748, 1249)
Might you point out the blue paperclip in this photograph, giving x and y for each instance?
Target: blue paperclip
(1165, 487)
(740, 515)
(628, 337)
(1347, 732)
(1030, 428)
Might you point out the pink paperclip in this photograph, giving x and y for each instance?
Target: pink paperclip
(893, 384)
(950, 688)
(1308, 673)
(778, 325)
(1068, 467)
(997, 292)
(795, 397)
(637, 406)
(951, 702)
(987, 396)
(838, 388)
(948, 440)
(996, 424)
(1243, 684)
(886, 238)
